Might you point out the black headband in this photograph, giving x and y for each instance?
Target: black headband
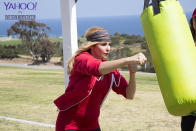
(101, 35)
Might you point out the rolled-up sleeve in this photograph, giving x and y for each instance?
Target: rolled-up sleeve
(87, 64)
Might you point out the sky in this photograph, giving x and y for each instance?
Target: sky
(48, 9)
(87, 8)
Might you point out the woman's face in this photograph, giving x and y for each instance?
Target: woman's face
(194, 23)
(101, 50)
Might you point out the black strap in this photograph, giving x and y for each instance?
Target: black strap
(155, 4)
(76, 1)
(156, 8)
(146, 4)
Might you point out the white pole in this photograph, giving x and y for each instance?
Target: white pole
(69, 32)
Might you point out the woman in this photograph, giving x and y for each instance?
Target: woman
(193, 25)
(91, 78)
(188, 122)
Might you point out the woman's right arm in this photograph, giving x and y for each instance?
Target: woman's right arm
(108, 66)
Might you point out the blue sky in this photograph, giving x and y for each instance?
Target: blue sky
(85, 8)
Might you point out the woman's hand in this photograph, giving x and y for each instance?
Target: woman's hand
(137, 59)
(108, 66)
(132, 68)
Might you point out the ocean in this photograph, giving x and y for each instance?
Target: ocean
(123, 24)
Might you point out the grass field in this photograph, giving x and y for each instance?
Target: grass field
(14, 41)
(29, 93)
(11, 42)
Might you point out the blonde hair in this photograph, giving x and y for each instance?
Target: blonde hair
(85, 47)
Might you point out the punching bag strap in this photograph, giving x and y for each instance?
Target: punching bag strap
(146, 4)
(155, 4)
(156, 8)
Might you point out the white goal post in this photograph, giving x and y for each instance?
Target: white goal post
(69, 32)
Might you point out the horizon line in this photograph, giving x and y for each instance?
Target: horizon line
(79, 17)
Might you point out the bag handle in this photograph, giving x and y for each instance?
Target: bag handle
(155, 4)
(156, 8)
(146, 4)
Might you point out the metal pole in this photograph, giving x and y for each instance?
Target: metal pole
(69, 32)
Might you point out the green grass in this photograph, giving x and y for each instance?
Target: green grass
(18, 41)
(30, 90)
(11, 42)
(29, 93)
(55, 39)
(146, 82)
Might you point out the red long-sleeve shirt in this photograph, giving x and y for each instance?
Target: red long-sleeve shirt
(80, 104)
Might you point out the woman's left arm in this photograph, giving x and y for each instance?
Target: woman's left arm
(131, 88)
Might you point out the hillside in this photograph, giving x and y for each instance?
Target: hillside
(122, 45)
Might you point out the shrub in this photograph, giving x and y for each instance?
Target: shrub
(115, 40)
(120, 53)
(45, 48)
(8, 51)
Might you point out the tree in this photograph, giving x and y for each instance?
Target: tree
(149, 67)
(117, 34)
(32, 34)
(46, 50)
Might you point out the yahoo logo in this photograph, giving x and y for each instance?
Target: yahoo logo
(20, 6)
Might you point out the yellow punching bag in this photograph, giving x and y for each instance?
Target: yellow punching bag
(173, 54)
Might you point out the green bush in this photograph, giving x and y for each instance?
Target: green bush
(22, 49)
(8, 51)
(115, 40)
(120, 53)
(13, 42)
(46, 50)
(129, 42)
(57, 49)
